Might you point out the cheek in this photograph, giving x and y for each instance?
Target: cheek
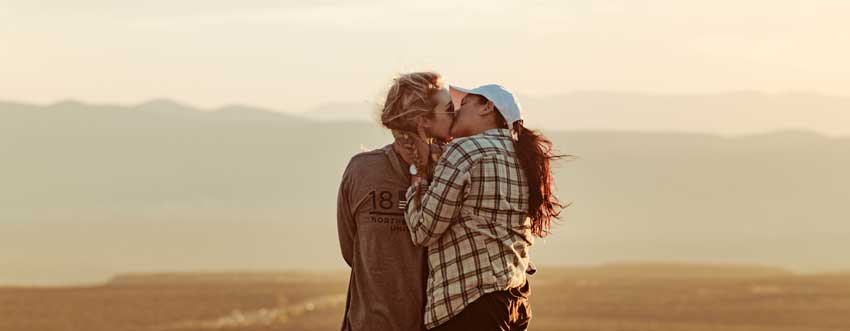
(463, 118)
(457, 125)
(447, 123)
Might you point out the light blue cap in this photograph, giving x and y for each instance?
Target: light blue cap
(504, 100)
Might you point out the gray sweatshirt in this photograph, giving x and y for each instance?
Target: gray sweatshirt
(387, 283)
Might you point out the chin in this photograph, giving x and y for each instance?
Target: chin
(457, 134)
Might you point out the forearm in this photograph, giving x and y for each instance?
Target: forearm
(433, 205)
(417, 219)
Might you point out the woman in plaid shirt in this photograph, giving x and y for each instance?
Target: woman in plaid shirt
(478, 211)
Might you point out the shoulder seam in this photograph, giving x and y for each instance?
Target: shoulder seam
(368, 153)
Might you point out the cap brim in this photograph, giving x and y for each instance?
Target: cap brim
(457, 94)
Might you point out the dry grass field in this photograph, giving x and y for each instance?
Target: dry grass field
(650, 297)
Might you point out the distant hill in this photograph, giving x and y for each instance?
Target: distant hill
(228, 277)
(651, 270)
(340, 111)
(93, 190)
(732, 113)
(595, 272)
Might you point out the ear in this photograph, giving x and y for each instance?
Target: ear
(488, 108)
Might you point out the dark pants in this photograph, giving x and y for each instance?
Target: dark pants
(504, 311)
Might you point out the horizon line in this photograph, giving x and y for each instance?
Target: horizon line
(195, 106)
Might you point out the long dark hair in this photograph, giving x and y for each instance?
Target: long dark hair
(535, 153)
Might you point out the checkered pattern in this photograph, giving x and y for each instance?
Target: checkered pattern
(472, 216)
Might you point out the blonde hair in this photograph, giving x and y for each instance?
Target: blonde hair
(410, 96)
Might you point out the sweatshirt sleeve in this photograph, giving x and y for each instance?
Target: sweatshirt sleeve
(346, 226)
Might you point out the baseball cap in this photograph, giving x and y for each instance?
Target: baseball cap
(504, 100)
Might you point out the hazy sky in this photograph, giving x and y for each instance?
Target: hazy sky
(294, 55)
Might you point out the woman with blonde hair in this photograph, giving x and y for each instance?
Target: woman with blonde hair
(387, 281)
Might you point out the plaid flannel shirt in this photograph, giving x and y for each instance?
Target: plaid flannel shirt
(473, 218)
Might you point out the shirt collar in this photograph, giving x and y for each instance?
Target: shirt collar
(498, 132)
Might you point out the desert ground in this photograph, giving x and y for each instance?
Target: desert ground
(651, 297)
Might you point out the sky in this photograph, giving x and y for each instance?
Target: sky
(297, 55)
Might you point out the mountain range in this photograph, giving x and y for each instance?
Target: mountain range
(93, 190)
(730, 113)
